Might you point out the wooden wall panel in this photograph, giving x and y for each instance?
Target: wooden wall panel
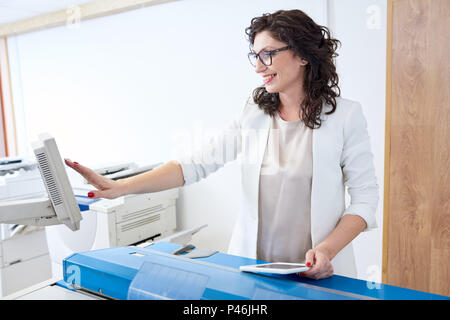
(440, 81)
(418, 217)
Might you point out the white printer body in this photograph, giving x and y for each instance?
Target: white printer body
(124, 221)
(24, 256)
(32, 254)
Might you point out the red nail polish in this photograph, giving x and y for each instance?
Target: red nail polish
(75, 162)
(308, 264)
(90, 194)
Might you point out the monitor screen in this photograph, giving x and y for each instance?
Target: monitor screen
(56, 181)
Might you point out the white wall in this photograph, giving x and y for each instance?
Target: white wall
(136, 86)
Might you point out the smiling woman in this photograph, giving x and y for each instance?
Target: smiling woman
(300, 144)
(313, 48)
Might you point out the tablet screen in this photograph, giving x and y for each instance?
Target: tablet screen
(279, 266)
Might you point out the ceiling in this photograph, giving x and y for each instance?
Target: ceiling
(15, 10)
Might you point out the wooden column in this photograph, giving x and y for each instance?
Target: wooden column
(416, 244)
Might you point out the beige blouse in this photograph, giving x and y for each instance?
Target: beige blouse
(284, 230)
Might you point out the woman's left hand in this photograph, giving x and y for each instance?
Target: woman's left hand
(321, 265)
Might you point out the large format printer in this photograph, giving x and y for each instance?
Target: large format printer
(30, 254)
(169, 271)
(169, 268)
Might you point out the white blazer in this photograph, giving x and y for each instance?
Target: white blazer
(341, 157)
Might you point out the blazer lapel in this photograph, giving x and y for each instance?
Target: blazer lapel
(257, 140)
(319, 145)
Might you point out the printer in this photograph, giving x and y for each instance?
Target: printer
(163, 270)
(24, 256)
(127, 220)
(35, 196)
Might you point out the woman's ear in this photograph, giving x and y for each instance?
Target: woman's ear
(303, 62)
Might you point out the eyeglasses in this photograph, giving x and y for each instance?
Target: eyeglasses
(264, 56)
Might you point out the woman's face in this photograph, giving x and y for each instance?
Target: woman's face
(286, 71)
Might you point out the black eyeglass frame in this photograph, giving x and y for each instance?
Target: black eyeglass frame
(270, 52)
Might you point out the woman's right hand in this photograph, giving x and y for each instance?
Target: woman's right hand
(106, 188)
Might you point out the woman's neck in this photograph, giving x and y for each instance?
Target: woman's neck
(289, 109)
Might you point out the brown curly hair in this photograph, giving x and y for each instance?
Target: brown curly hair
(311, 42)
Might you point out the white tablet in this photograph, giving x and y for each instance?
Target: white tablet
(276, 267)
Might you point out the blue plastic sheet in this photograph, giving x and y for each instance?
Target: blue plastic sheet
(158, 282)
